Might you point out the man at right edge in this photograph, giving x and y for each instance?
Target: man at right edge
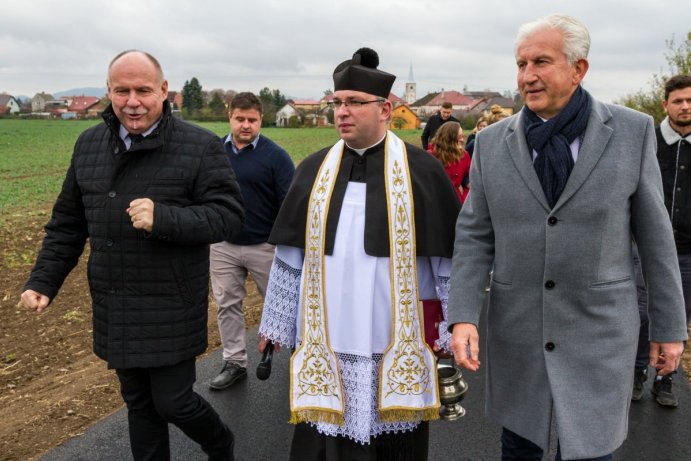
(559, 191)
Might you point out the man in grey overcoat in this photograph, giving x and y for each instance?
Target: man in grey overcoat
(559, 191)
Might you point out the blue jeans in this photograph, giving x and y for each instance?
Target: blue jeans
(643, 351)
(516, 448)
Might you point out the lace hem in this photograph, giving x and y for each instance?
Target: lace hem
(443, 285)
(278, 321)
(360, 378)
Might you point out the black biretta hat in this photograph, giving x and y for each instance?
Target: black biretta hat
(361, 74)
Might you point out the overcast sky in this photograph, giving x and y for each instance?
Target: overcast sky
(48, 45)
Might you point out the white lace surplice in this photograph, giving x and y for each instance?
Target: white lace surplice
(358, 304)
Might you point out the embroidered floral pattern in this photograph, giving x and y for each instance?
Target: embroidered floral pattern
(408, 374)
(408, 388)
(317, 375)
(360, 378)
(316, 394)
(280, 305)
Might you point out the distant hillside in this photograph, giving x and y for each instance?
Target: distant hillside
(98, 92)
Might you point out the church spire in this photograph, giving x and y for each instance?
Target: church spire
(410, 95)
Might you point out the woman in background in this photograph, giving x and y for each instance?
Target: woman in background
(481, 123)
(447, 147)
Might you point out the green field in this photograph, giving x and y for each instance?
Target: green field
(34, 154)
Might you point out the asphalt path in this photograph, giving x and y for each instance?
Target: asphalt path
(258, 412)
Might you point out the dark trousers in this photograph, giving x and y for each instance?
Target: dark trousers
(162, 395)
(516, 448)
(310, 445)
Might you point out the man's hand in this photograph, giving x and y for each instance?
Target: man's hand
(263, 342)
(665, 356)
(465, 344)
(34, 300)
(141, 211)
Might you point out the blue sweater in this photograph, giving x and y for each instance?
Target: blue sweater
(264, 174)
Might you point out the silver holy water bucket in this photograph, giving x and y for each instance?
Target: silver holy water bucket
(452, 388)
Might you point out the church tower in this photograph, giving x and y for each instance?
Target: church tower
(410, 95)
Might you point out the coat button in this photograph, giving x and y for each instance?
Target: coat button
(549, 346)
(552, 220)
(112, 194)
(549, 284)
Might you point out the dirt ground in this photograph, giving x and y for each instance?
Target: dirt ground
(52, 386)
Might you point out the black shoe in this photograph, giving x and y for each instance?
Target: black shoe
(229, 375)
(664, 395)
(639, 377)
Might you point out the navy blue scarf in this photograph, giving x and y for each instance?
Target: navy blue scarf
(551, 140)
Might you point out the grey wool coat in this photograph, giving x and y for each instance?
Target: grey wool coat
(562, 321)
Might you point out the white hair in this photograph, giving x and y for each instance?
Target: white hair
(576, 36)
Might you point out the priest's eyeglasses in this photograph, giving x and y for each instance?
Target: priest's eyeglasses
(352, 103)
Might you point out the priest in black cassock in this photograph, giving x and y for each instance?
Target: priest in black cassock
(365, 232)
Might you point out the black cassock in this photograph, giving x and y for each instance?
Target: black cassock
(436, 205)
(436, 208)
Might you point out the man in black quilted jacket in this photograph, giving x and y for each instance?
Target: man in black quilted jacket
(150, 192)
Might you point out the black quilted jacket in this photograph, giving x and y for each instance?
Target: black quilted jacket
(149, 291)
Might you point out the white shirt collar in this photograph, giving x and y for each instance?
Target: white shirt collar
(361, 152)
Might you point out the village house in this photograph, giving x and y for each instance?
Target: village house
(97, 109)
(422, 102)
(289, 116)
(303, 112)
(430, 104)
(70, 106)
(305, 104)
(80, 105)
(9, 104)
(395, 100)
(403, 118)
(175, 100)
(484, 104)
(38, 102)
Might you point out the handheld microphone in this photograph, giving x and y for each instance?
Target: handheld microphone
(264, 367)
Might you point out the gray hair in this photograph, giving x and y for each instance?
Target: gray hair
(576, 36)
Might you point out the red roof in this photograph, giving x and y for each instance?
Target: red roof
(394, 98)
(454, 97)
(80, 103)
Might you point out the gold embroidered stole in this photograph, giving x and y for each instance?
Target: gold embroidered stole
(316, 391)
(408, 388)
